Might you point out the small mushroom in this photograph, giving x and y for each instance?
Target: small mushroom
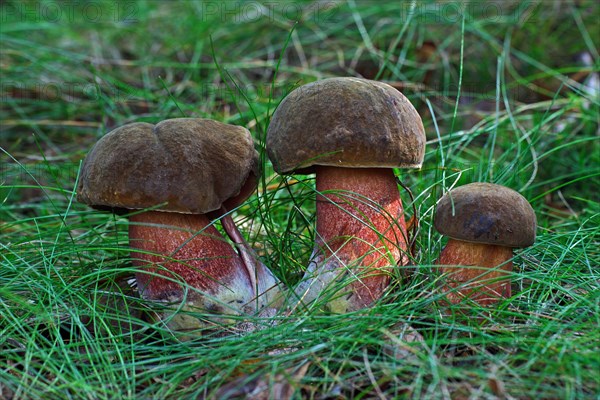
(351, 132)
(484, 223)
(192, 171)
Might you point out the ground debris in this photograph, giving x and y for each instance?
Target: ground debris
(279, 386)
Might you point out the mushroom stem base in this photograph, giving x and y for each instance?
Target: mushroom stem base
(182, 257)
(479, 272)
(361, 235)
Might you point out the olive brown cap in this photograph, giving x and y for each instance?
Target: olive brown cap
(193, 165)
(345, 122)
(486, 213)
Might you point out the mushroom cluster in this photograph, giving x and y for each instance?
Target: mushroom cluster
(177, 179)
(182, 174)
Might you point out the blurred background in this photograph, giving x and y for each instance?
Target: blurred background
(71, 72)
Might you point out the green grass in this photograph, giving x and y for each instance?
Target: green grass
(503, 96)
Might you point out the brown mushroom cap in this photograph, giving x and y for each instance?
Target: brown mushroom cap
(486, 213)
(345, 122)
(193, 165)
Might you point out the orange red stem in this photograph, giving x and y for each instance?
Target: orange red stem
(361, 235)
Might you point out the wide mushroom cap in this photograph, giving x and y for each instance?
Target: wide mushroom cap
(345, 122)
(192, 165)
(486, 213)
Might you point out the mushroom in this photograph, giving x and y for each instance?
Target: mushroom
(189, 172)
(484, 223)
(351, 132)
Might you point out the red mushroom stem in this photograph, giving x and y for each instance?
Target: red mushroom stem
(476, 271)
(361, 234)
(187, 250)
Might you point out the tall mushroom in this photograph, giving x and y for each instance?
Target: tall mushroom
(192, 171)
(351, 132)
(484, 222)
